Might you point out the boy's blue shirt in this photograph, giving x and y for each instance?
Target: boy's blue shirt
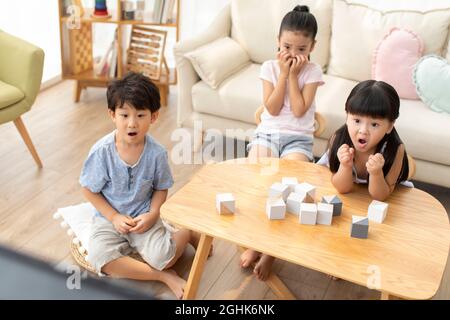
(127, 189)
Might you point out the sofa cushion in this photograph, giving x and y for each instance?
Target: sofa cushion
(448, 48)
(428, 141)
(9, 95)
(351, 50)
(216, 61)
(257, 22)
(432, 81)
(394, 60)
(236, 98)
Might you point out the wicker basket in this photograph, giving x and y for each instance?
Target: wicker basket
(80, 258)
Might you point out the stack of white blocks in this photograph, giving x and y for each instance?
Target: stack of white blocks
(299, 199)
(276, 203)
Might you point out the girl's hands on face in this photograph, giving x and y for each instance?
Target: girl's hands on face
(375, 164)
(297, 64)
(284, 61)
(345, 155)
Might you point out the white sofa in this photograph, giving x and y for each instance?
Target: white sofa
(349, 31)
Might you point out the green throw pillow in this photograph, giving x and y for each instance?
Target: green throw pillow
(432, 80)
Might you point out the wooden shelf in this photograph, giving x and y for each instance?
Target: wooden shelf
(77, 59)
(87, 17)
(89, 75)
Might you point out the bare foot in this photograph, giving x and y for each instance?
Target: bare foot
(263, 267)
(195, 239)
(174, 282)
(248, 257)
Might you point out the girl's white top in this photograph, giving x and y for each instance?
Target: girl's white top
(285, 121)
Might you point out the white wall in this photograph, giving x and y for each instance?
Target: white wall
(37, 22)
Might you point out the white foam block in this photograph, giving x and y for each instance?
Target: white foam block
(279, 190)
(309, 189)
(324, 213)
(377, 211)
(291, 182)
(275, 208)
(225, 203)
(294, 201)
(308, 213)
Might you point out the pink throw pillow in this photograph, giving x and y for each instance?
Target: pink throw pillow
(394, 60)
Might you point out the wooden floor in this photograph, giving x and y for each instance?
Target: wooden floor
(63, 132)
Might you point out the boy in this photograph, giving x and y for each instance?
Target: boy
(126, 177)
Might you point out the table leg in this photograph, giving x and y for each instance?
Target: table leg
(77, 91)
(276, 285)
(384, 296)
(198, 265)
(279, 288)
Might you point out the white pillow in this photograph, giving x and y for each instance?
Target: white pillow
(358, 26)
(79, 218)
(216, 61)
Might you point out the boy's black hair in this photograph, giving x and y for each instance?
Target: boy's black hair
(299, 19)
(135, 89)
(376, 99)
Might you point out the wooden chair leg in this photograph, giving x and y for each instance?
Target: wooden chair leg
(163, 92)
(26, 138)
(77, 91)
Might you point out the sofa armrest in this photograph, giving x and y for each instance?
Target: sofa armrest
(21, 65)
(187, 77)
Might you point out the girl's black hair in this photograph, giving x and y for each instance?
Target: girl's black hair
(299, 19)
(376, 99)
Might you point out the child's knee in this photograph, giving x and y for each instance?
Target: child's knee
(183, 237)
(106, 269)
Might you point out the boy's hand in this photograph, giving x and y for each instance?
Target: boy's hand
(375, 164)
(284, 61)
(297, 64)
(122, 223)
(345, 155)
(144, 222)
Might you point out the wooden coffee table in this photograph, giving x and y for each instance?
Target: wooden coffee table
(403, 257)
